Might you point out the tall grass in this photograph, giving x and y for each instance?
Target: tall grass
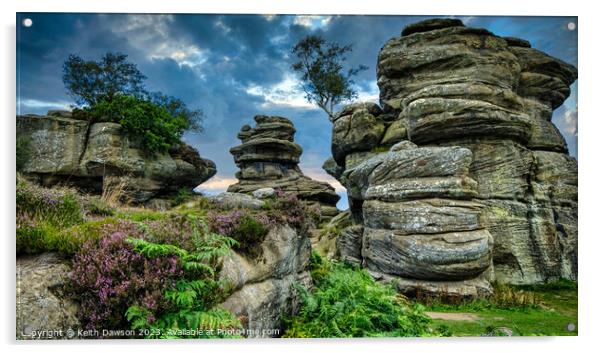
(42, 213)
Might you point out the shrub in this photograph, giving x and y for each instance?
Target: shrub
(347, 302)
(192, 299)
(288, 209)
(506, 297)
(248, 230)
(156, 128)
(124, 278)
(57, 206)
(182, 196)
(98, 207)
(70, 240)
(108, 276)
(32, 235)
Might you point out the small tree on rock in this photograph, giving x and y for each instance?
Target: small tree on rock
(90, 82)
(325, 81)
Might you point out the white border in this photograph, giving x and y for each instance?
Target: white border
(589, 95)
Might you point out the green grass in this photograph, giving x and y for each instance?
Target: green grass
(555, 310)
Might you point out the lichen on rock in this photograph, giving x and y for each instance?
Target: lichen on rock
(455, 88)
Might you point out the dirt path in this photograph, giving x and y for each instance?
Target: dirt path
(453, 316)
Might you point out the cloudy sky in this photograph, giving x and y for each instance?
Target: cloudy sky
(236, 66)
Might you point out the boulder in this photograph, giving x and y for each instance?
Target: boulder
(43, 309)
(395, 132)
(357, 131)
(444, 256)
(424, 216)
(349, 244)
(468, 147)
(233, 200)
(56, 143)
(264, 193)
(264, 286)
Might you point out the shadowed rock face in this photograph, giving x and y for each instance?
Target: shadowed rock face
(268, 158)
(102, 157)
(486, 102)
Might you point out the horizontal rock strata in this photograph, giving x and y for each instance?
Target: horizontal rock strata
(268, 158)
(468, 115)
(102, 157)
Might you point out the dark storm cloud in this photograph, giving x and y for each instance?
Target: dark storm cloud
(237, 66)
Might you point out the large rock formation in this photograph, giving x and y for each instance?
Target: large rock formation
(489, 160)
(268, 158)
(102, 157)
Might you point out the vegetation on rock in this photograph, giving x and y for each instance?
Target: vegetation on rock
(156, 128)
(112, 90)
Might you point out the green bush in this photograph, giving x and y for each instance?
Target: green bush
(70, 240)
(347, 302)
(156, 128)
(249, 234)
(182, 196)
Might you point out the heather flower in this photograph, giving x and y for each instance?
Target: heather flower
(108, 277)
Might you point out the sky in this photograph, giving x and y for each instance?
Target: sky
(234, 67)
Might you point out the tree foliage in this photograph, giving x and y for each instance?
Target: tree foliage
(178, 109)
(90, 82)
(97, 84)
(156, 128)
(325, 81)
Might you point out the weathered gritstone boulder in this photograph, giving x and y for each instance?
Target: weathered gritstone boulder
(420, 223)
(102, 157)
(57, 143)
(444, 85)
(263, 287)
(268, 158)
(43, 310)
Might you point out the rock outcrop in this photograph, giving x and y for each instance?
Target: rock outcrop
(263, 287)
(268, 158)
(102, 157)
(43, 311)
(462, 152)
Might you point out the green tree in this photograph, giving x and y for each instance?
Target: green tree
(112, 90)
(325, 81)
(177, 108)
(90, 82)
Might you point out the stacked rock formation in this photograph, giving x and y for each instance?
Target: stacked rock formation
(445, 85)
(102, 157)
(268, 158)
(421, 224)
